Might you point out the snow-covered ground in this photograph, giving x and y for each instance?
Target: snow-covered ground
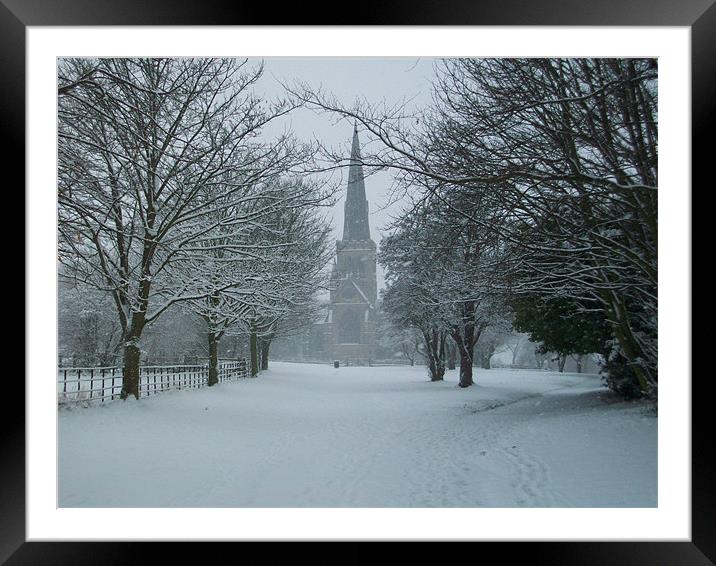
(303, 435)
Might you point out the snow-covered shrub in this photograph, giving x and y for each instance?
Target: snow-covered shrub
(619, 375)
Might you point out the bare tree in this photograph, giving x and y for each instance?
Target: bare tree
(495, 336)
(297, 271)
(445, 268)
(148, 149)
(408, 305)
(393, 339)
(88, 335)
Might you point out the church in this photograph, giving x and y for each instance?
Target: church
(347, 331)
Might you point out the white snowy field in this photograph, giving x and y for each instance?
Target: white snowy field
(304, 435)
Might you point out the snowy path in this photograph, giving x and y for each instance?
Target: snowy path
(313, 436)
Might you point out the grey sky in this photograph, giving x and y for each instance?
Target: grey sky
(374, 79)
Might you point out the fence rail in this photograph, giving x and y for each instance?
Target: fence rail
(105, 383)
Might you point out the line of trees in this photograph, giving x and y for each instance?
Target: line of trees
(534, 186)
(170, 198)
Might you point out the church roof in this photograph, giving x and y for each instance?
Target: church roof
(355, 220)
(360, 291)
(357, 288)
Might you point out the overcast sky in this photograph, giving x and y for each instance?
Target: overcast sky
(375, 79)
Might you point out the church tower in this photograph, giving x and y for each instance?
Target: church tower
(354, 289)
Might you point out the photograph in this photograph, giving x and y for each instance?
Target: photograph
(406, 279)
(357, 282)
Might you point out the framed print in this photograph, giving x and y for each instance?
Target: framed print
(48, 517)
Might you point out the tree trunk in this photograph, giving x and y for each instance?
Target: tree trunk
(432, 366)
(561, 360)
(435, 349)
(439, 342)
(437, 371)
(579, 363)
(465, 368)
(466, 335)
(213, 359)
(466, 346)
(264, 350)
(254, 352)
(485, 360)
(130, 372)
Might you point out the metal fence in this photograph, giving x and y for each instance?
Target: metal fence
(103, 384)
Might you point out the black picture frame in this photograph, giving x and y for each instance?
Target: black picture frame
(699, 15)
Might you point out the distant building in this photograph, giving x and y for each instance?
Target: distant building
(347, 331)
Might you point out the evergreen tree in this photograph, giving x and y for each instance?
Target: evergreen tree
(562, 325)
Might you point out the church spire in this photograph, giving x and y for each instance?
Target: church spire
(355, 220)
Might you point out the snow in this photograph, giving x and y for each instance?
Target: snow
(309, 435)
